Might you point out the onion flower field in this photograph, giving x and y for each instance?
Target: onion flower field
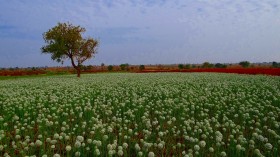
(147, 114)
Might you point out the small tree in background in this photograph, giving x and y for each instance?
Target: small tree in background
(65, 41)
(102, 66)
(187, 66)
(275, 65)
(244, 64)
(207, 65)
(219, 65)
(124, 66)
(194, 66)
(141, 67)
(110, 68)
(180, 66)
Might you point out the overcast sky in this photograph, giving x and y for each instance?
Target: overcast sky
(146, 31)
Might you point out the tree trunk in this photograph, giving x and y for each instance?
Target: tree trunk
(78, 68)
(78, 71)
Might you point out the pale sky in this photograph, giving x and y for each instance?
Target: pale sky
(145, 31)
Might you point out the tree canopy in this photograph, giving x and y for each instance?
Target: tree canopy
(65, 41)
(244, 64)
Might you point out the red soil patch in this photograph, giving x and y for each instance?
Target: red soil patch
(252, 71)
(20, 73)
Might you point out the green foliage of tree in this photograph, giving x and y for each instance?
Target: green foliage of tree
(65, 41)
(207, 65)
(275, 65)
(124, 66)
(219, 65)
(141, 67)
(187, 66)
(244, 64)
(110, 68)
(180, 66)
(194, 66)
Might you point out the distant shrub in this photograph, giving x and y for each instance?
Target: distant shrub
(141, 67)
(244, 64)
(207, 65)
(193, 66)
(180, 66)
(275, 65)
(187, 66)
(219, 65)
(110, 67)
(124, 66)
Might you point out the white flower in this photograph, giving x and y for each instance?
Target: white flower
(137, 147)
(105, 137)
(202, 143)
(219, 136)
(56, 155)
(80, 138)
(40, 136)
(223, 154)
(16, 117)
(196, 147)
(89, 141)
(238, 147)
(32, 144)
(68, 148)
(125, 145)
(109, 147)
(77, 154)
(17, 136)
(78, 144)
(56, 136)
(38, 143)
(140, 153)
(151, 154)
(111, 152)
(160, 145)
(63, 128)
(211, 149)
(97, 152)
(120, 152)
(120, 147)
(6, 155)
(257, 151)
(268, 146)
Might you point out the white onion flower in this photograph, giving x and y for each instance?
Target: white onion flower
(223, 154)
(78, 144)
(151, 154)
(80, 138)
(56, 155)
(38, 143)
(68, 148)
(202, 143)
(268, 146)
(196, 147)
(120, 152)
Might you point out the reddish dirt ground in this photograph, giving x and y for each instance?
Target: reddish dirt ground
(252, 71)
(20, 73)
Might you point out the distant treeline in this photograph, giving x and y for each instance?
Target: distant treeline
(125, 67)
